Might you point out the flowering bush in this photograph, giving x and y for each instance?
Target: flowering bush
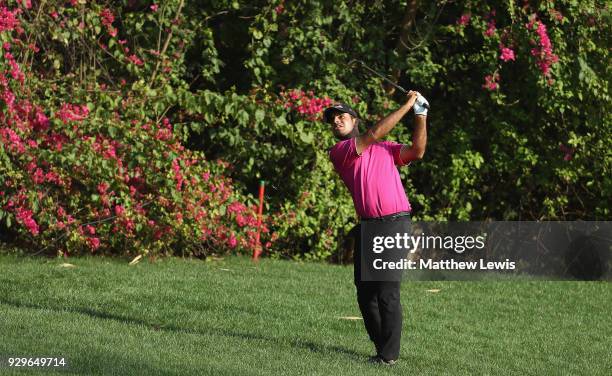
(502, 110)
(100, 176)
(143, 126)
(304, 103)
(543, 52)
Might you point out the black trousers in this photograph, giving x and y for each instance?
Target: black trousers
(379, 303)
(380, 307)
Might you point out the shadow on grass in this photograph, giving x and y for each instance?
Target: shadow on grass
(296, 343)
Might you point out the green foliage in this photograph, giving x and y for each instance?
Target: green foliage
(526, 138)
(89, 160)
(536, 148)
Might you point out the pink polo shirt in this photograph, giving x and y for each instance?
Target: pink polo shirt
(372, 177)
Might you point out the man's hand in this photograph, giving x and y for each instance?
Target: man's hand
(420, 106)
(412, 97)
(383, 127)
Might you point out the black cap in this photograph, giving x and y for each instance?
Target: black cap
(339, 107)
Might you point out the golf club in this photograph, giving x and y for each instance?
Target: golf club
(364, 65)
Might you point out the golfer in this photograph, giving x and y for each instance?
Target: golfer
(367, 165)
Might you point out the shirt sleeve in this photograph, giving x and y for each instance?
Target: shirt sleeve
(343, 154)
(396, 149)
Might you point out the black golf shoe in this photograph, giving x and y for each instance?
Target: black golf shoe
(377, 359)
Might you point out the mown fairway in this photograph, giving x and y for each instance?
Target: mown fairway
(234, 317)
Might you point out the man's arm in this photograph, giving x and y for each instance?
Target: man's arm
(384, 126)
(419, 141)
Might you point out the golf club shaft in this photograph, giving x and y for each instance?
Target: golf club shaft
(387, 80)
(384, 78)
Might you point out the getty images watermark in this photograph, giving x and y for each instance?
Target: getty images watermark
(411, 244)
(400, 249)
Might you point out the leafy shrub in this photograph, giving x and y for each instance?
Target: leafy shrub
(519, 127)
(105, 172)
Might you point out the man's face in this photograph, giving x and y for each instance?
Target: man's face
(342, 124)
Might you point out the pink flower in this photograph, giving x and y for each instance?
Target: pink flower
(109, 153)
(491, 82)
(52, 177)
(102, 187)
(8, 19)
(30, 167)
(543, 53)
(15, 70)
(163, 135)
(507, 54)
(119, 210)
(464, 19)
(490, 28)
(236, 207)
(94, 243)
(9, 98)
(176, 167)
(233, 242)
(107, 17)
(11, 138)
(154, 7)
(41, 122)
(56, 141)
(24, 217)
(38, 177)
(305, 103)
(241, 220)
(177, 174)
(69, 112)
(129, 225)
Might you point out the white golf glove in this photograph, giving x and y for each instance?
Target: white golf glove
(419, 108)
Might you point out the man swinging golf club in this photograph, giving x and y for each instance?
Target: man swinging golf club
(367, 165)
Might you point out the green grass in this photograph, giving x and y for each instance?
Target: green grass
(188, 317)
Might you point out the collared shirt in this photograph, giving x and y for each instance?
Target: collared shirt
(372, 177)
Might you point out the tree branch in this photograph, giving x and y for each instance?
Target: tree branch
(402, 45)
(166, 43)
